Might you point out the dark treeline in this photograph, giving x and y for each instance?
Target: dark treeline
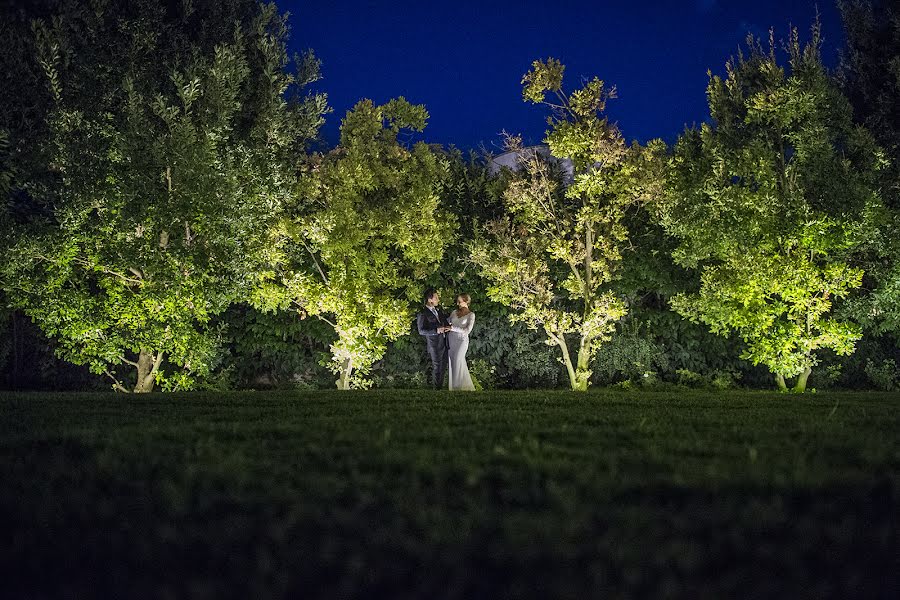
(171, 221)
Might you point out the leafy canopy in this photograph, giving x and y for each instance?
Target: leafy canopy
(768, 201)
(551, 257)
(168, 136)
(364, 233)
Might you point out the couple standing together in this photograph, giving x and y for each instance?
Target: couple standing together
(447, 339)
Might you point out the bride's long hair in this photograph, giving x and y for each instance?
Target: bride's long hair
(467, 299)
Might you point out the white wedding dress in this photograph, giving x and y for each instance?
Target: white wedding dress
(459, 343)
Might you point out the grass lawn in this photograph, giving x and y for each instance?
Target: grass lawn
(391, 494)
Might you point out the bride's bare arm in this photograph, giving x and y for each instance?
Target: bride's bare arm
(469, 324)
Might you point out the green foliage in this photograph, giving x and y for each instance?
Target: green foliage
(472, 195)
(550, 257)
(404, 364)
(501, 355)
(849, 372)
(768, 203)
(167, 146)
(6, 168)
(483, 374)
(28, 360)
(654, 339)
(275, 349)
(475, 196)
(630, 356)
(718, 380)
(542, 78)
(504, 354)
(365, 231)
(155, 179)
(870, 77)
(519, 355)
(884, 376)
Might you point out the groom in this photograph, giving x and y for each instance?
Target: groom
(433, 325)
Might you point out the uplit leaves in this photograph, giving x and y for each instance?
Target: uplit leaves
(170, 149)
(579, 131)
(551, 259)
(367, 231)
(768, 203)
(544, 76)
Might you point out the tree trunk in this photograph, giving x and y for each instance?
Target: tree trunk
(583, 370)
(800, 386)
(578, 375)
(779, 380)
(343, 382)
(567, 360)
(147, 365)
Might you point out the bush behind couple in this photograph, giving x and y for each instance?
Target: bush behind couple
(447, 340)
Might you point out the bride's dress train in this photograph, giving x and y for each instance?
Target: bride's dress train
(459, 344)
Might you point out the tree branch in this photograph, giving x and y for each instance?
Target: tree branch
(327, 321)
(315, 260)
(576, 273)
(122, 276)
(128, 362)
(117, 385)
(157, 362)
(552, 336)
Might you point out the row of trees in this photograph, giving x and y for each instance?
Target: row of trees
(164, 191)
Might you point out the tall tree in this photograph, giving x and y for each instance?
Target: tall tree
(169, 136)
(365, 232)
(869, 75)
(768, 202)
(552, 258)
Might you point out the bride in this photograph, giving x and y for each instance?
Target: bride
(461, 320)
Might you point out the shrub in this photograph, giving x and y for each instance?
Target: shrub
(885, 375)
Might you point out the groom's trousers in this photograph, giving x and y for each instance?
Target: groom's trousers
(437, 351)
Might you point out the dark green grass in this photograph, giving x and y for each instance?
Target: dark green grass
(431, 495)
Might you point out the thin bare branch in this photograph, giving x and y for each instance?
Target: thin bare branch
(122, 276)
(327, 321)
(315, 261)
(117, 385)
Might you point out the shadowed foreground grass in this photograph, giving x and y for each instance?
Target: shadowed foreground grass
(430, 495)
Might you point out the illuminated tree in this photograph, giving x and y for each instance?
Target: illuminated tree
(768, 202)
(552, 258)
(365, 232)
(168, 135)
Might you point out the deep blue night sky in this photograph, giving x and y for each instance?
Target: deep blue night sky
(464, 59)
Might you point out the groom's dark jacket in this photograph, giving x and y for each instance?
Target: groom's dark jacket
(428, 325)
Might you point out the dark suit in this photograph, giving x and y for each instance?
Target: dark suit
(436, 342)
